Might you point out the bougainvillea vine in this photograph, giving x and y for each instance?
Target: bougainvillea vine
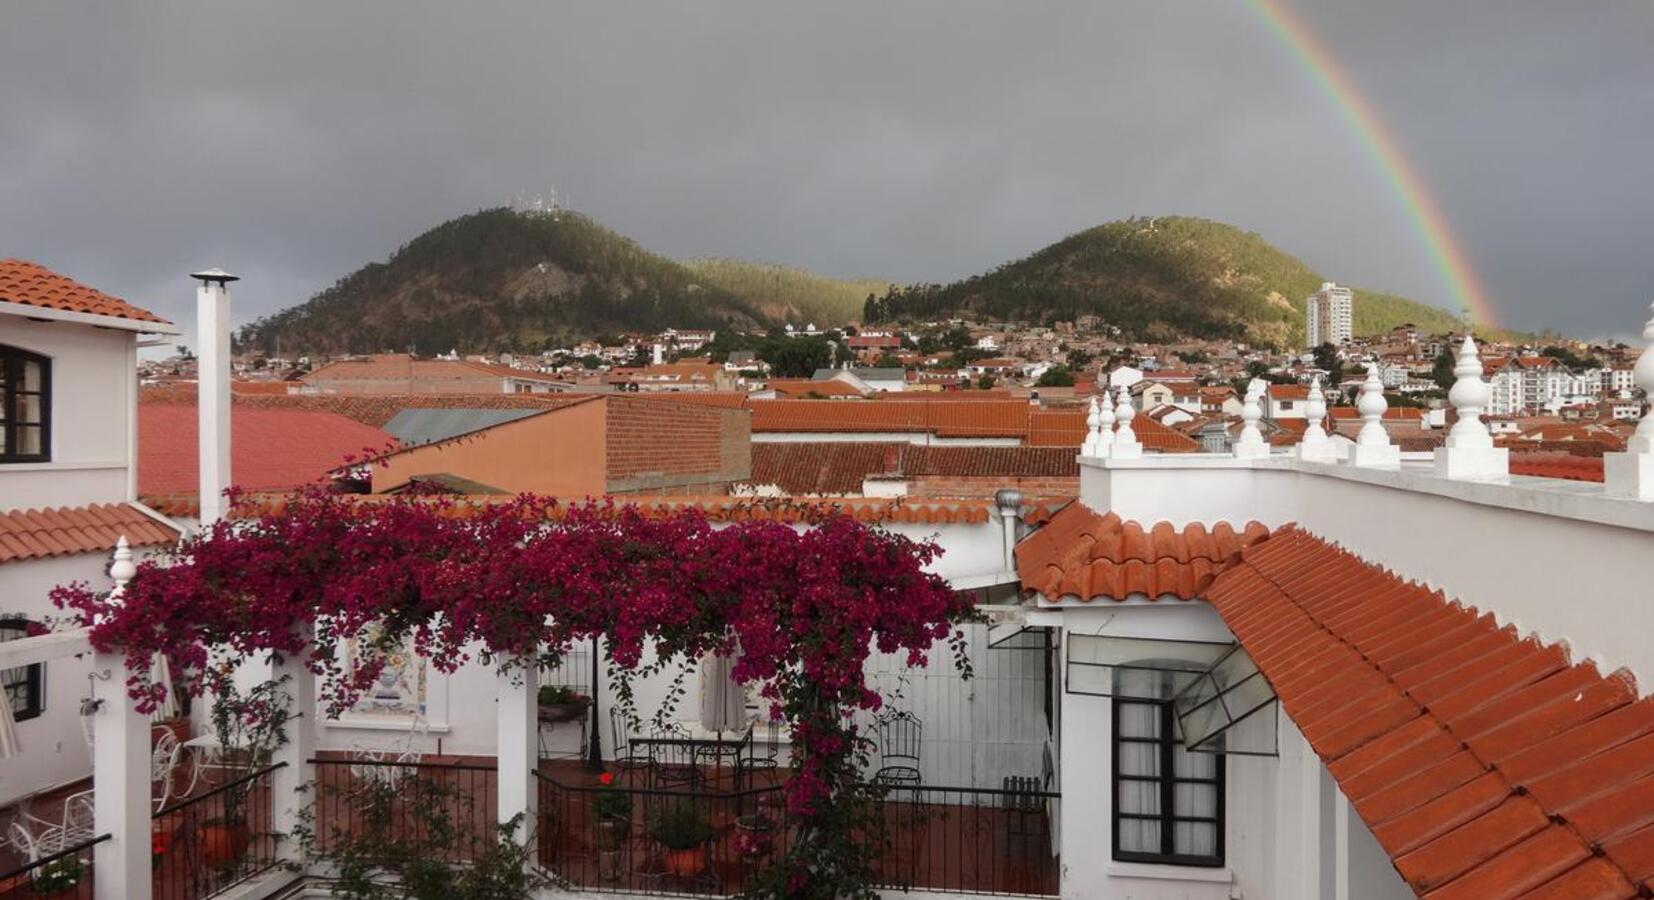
(517, 582)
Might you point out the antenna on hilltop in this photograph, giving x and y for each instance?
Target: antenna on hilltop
(548, 204)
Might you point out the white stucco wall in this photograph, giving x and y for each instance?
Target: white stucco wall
(94, 395)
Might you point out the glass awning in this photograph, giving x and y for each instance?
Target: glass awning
(1221, 702)
(1230, 708)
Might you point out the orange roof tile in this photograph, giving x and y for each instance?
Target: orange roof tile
(62, 531)
(1083, 554)
(987, 418)
(1066, 428)
(270, 449)
(32, 284)
(1485, 764)
(724, 508)
(1557, 465)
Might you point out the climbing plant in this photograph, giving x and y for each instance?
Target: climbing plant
(518, 582)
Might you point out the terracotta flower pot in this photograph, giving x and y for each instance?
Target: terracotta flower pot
(222, 843)
(685, 863)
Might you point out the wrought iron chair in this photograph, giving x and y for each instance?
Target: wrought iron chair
(368, 762)
(37, 838)
(763, 751)
(901, 734)
(163, 763)
(625, 759)
(673, 757)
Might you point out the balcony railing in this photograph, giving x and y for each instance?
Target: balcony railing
(66, 873)
(387, 808)
(210, 842)
(959, 840)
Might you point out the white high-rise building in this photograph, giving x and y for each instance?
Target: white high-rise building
(1329, 315)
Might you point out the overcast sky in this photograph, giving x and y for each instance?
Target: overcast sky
(293, 142)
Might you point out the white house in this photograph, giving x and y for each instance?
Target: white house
(68, 477)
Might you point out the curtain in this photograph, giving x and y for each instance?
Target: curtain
(9, 745)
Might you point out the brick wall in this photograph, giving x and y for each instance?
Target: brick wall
(984, 486)
(662, 445)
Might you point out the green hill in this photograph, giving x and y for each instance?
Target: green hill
(1156, 279)
(785, 292)
(503, 279)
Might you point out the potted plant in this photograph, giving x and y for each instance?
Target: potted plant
(249, 726)
(683, 830)
(613, 809)
(561, 703)
(58, 878)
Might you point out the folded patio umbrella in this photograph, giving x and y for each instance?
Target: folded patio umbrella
(8, 729)
(723, 701)
(162, 674)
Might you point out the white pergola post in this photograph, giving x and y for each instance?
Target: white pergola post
(120, 775)
(518, 743)
(291, 785)
(212, 311)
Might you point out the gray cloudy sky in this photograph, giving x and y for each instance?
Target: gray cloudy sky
(292, 142)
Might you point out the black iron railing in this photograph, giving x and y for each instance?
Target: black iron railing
(959, 840)
(66, 873)
(369, 808)
(215, 840)
(965, 840)
(641, 840)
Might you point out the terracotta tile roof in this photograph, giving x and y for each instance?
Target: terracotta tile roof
(371, 409)
(835, 467)
(1487, 765)
(1288, 392)
(986, 418)
(1083, 554)
(726, 399)
(738, 509)
(385, 366)
(1557, 465)
(804, 387)
(1066, 428)
(62, 531)
(32, 284)
(824, 467)
(270, 449)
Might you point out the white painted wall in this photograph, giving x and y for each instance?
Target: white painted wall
(93, 394)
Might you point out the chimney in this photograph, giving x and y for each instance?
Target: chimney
(212, 322)
(1009, 501)
(660, 354)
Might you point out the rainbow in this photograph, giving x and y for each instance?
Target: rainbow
(1410, 190)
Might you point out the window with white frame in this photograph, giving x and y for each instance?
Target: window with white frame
(24, 685)
(25, 406)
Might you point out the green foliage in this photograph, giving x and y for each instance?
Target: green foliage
(1571, 359)
(680, 825)
(378, 856)
(497, 279)
(986, 382)
(796, 357)
(1056, 376)
(58, 875)
(558, 695)
(1326, 357)
(1442, 370)
(788, 294)
(1158, 279)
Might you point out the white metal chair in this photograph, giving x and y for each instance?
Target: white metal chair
(163, 762)
(37, 838)
(369, 764)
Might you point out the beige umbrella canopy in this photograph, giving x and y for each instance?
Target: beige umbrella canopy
(9, 745)
(723, 701)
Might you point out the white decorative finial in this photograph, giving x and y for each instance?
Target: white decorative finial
(123, 568)
(1093, 428)
(1316, 446)
(1372, 444)
(1125, 439)
(1631, 474)
(1250, 444)
(1469, 453)
(1105, 423)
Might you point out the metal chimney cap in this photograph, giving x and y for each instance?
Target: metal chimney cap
(207, 276)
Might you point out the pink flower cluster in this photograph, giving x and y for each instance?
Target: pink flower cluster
(523, 579)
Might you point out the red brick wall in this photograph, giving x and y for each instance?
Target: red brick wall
(975, 487)
(657, 445)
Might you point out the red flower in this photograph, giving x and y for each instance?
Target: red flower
(606, 779)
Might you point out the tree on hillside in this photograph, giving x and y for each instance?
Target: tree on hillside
(1442, 371)
(796, 357)
(1056, 376)
(1571, 359)
(1326, 357)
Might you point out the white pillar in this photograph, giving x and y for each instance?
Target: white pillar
(1250, 444)
(517, 730)
(1315, 445)
(1372, 445)
(120, 776)
(1093, 431)
(290, 785)
(212, 321)
(1125, 439)
(1631, 474)
(1469, 453)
